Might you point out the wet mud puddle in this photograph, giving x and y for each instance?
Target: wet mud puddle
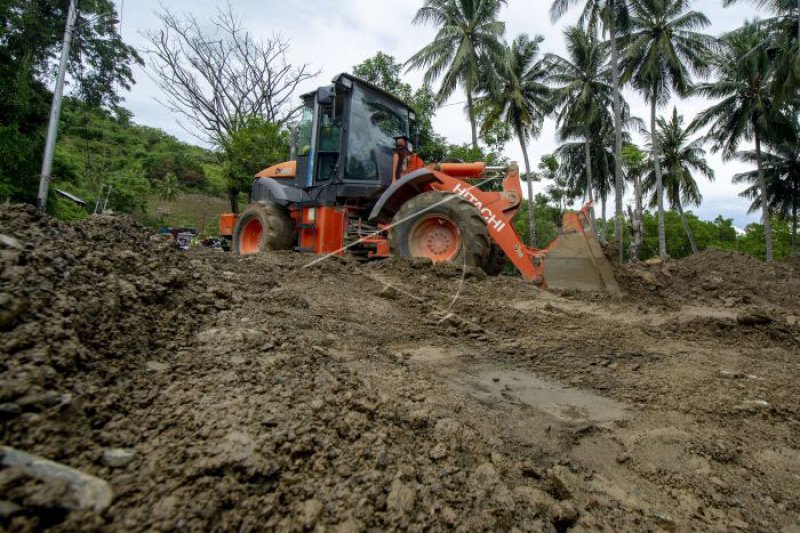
(520, 387)
(492, 385)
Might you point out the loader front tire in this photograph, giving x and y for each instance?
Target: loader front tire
(441, 227)
(496, 262)
(263, 227)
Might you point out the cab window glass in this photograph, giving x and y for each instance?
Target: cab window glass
(304, 131)
(375, 122)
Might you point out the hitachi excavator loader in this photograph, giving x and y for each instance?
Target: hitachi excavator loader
(357, 187)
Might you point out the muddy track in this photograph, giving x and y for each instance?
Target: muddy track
(263, 393)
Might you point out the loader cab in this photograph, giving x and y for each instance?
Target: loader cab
(346, 140)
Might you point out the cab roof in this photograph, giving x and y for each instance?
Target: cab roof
(348, 80)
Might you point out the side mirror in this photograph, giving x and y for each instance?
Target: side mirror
(326, 95)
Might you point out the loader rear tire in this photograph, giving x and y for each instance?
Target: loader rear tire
(263, 227)
(450, 231)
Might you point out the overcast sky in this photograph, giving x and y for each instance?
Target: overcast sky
(334, 35)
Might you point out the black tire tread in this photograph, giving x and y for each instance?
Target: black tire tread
(496, 262)
(278, 226)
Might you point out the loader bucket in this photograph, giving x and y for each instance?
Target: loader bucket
(575, 259)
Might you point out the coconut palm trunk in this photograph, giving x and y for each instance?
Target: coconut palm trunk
(662, 238)
(472, 123)
(637, 184)
(603, 198)
(637, 228)
(612, 28)
(589, 187)
(794, 229)
(531, 202)
(795, 199)
(686, 228)
(762, 184)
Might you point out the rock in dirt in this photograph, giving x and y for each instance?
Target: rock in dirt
(438, 452)
(9, 410)
(155, 366)
(755, 318)
(564, 515)
(10, 242)
(563, 481)
(646, 276)
(389, 292)
(536, 498)
(401, 497)
(10, 309)
(309, 512)
(84, 491)
(9, 509)
(118, 457)
(486, 475)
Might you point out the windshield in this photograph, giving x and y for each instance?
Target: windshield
(304, 130)
(374, 123)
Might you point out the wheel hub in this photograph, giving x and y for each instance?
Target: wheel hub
(250, 239)
(435, 237)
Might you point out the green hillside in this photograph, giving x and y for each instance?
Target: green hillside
(98, 148)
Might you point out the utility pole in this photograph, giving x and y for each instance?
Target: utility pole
(55, 109)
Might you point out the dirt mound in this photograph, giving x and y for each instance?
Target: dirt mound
(114, 352)
(80, 306)
(715, 277)
(286, 392)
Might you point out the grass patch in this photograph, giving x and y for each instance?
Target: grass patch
(199, 211)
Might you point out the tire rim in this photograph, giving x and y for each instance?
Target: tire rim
(250, 237)
(435, 237)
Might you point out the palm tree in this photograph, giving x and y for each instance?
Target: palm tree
(602, 161)
(782, 32)
(747, 109)
(469, 37)
(168, 188)
(680, 157)
(519, 97)
(661, 53)
(781, 166)
(583, 93)
(613, 14)
(636, 164)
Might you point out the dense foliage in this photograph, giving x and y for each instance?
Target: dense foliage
(98, 148)
(30, 42)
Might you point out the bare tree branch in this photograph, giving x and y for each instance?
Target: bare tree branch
(218, 77)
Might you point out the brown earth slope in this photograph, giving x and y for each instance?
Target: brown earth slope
(276, 392)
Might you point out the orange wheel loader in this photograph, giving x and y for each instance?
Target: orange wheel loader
(357, 187)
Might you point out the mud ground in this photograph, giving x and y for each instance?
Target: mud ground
(271, 393)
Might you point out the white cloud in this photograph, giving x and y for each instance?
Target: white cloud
(335, 35)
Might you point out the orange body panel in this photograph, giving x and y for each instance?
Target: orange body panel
(381, 246)
(287, 169)
(227, 223)
(460, 170)
(322, 229)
